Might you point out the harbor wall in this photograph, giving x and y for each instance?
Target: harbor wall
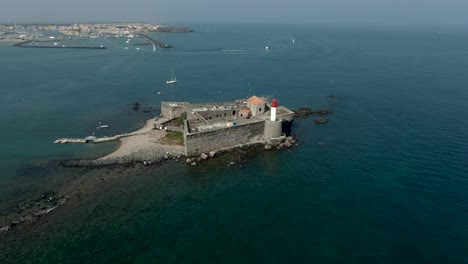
(206, 141)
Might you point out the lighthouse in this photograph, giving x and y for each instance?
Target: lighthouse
(274, 104)
(273, 126)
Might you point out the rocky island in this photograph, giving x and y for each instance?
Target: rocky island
(183, 131)
(198, 130)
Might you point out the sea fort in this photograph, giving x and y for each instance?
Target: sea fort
(191, 130)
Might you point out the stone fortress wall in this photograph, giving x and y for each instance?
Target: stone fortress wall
(171, 110)
(214, 126)
(206, 141)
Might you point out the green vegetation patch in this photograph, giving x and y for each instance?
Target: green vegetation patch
(173, 138)
(180, 120)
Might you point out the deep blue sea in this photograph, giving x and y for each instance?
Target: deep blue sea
(385, 181)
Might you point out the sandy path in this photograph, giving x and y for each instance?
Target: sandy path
(144, 141)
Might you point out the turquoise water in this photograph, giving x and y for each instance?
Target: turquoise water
(384, 181)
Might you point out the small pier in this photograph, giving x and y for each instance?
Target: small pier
(90, 139)
(69, 140)
(24, 45)
(147, 129)
(150, 41)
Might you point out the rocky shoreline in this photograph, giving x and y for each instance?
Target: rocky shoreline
(28, 212)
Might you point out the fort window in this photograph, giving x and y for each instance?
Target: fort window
(260, 109)
(233, 112)
(224, 114)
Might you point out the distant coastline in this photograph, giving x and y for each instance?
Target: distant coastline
(17, 33)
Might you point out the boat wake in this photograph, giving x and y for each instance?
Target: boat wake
(232, 50)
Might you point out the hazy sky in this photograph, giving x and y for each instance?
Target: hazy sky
(266, 11)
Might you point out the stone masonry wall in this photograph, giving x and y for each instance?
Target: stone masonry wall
(204, 142)
(220, 114)
(171, 112)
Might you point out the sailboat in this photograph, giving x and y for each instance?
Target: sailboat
(154, 48)
(173, 78)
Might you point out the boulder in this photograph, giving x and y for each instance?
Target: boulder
(290, 138)
(212, 154)
(198, 159)
(189, 160)
(166, 157)
(204, 156)
(5, 228)
(281, 145)
(61, 201)
(193, 163)
(293, 141)
(287, 144)
(267, 147)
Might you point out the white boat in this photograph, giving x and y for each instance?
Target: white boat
(293, 41)
(103, 126)
(173, 78)
(266, 48)
(154, 48)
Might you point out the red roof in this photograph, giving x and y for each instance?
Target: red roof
(245, 111)
(255, 100)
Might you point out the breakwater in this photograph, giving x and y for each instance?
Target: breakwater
(150, 41)
(24, 44)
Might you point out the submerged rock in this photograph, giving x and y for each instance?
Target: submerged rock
(267, 147)
(204, 156)
(193, 163)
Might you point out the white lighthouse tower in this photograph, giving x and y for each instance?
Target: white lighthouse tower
(274, 104)
(273, 126)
